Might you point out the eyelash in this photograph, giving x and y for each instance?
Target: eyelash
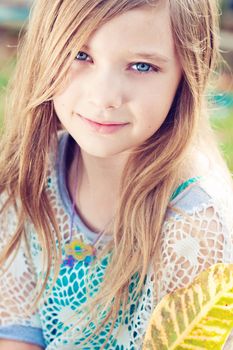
(151, 67)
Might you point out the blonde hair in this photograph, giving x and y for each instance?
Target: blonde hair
(56, 32)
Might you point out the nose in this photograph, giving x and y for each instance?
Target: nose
(106, 91)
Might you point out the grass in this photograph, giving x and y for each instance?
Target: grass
(5, 72)
(223, 125)
(222, 120)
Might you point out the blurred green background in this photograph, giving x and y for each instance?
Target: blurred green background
(13, 18)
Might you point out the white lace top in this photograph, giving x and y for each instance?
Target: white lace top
(188, 246)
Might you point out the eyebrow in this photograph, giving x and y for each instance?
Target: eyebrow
(152, 56)
(144, 55)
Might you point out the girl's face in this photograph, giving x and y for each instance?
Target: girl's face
(122, 83)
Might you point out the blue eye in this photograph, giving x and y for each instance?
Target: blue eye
(142, 67)
(81, 56)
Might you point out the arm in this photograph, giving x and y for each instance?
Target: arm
(16, 345)
(20, 326)
(190, 244)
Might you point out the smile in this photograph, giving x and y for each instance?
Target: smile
(103, 128)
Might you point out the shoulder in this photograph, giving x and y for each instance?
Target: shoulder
(213, 190)
(57, 148)
(197, 232)
(8, 219)
(206, 205)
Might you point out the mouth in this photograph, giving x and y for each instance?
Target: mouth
(110, 123)
(104, 127)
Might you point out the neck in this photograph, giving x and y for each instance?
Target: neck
(98, 187)
(102, 174)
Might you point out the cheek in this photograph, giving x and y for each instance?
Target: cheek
(161, 99)
(67, 96)
(152, 112)
(59, 105)
(154, 108)
(64, 102)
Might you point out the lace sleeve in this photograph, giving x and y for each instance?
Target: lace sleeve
(16, 285)
(190, 244)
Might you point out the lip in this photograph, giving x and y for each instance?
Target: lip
(104, 128)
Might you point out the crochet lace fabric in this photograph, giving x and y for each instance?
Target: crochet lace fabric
(189, 244)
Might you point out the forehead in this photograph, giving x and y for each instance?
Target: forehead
(145, 27)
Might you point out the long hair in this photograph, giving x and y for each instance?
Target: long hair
(57, 30)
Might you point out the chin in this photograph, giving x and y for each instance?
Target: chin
(101, 151)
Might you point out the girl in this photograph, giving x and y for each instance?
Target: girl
(113, 192)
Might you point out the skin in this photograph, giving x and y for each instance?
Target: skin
(107, 83)
(15, 345)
